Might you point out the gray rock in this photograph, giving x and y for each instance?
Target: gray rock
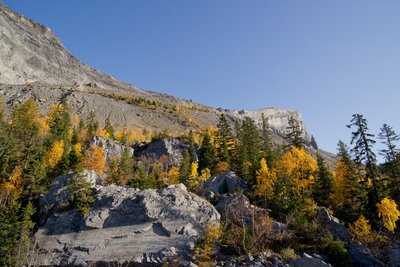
(333, 225)
(172, 148)
(309, 261)
(224, 183)
(394, 257)
(362, 257)
(111, 148)
(124, 225)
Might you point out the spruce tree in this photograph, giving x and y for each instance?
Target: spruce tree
(266, 140)
(392, 165)
(184, 168)
(389, 139)
(294, 134)
(207, 153)
(223, 139)
(192, 147)
(363, 142)
(323, 183)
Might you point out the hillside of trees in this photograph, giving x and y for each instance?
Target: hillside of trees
(285, 179)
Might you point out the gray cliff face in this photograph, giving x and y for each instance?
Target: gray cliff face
(278, 118)
(124, 225)
(30, 52)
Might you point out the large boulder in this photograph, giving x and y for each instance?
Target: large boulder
(309, 261)
(111, 148)
(362, 257)
(172, 148)
(394, 257)
(224, 183)
(333, 225)
(124, 226)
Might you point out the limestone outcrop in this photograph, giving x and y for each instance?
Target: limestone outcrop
(124, 225)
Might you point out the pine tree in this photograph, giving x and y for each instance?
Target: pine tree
(364, 155)
(249, 150)
(266, 140)
(224, 139)
(294, 134)
(207, 153)
(389, 138)
(392, 165)
(9, 224)
(323, 183)
(185, 168)
(192, 147)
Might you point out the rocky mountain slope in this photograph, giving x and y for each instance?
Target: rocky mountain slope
(34, 63)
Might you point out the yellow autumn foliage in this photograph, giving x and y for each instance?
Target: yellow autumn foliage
(14, 185)
(299, 165)
(388, 212)
(265, 181)
(55, 153)
(205, 174)
(173, 176)
(102, 133)
(361, 230)
(131, 136)
(78, 149)
(95, 159)
(340, 189)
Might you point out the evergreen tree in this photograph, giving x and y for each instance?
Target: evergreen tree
(266, 141)
(392, 165)
(109, 128)
(323, 182)
(9, 224)
(294, 134)
(207, 153)
(92, 124)
(25, 243)
(249, 150)
(224, 139)
(389, 138)
(192, 147)
(364, 155)
(185, 168)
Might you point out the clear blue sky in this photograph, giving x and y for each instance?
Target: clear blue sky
(327, 59)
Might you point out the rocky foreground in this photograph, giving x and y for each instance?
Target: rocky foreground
(124, 225)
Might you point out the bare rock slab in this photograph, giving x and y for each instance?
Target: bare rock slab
(124, 226)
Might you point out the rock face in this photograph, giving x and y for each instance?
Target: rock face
(277, 118)
(111, 148)
(124, 225)
(224, 183)
(362, 257)
(333, 225)
(30, 52)
(394, 257)
(309, 261)
(172, 148)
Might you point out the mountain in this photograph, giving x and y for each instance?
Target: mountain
(34, 63)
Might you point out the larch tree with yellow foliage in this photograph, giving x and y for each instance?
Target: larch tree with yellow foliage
(265, 181)
(55, 153)
(361, 230)
(173, 176)
(14, 186)
(388, 212)
(95, 159)
(299, 165)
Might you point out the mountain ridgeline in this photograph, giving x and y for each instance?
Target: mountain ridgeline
(35, 64)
